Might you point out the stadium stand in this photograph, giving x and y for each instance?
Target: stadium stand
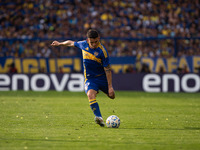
(138, 28)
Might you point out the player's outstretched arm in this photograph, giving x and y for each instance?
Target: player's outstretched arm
(68, 43)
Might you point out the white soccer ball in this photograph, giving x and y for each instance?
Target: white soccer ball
(113, 122)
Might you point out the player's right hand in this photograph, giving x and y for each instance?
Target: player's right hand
(111, 93)
(55, 43)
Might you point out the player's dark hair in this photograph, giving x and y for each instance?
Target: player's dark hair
(92, 33)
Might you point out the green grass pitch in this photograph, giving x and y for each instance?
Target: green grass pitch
(63, 121)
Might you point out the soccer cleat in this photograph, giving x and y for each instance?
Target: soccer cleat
(99, 120)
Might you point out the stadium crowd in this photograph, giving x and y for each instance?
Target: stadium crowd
(124, 26)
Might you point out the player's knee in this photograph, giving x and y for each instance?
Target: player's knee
(91, 95)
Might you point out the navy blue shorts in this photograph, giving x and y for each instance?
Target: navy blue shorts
(98, 83)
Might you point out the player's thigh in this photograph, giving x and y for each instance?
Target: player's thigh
(103, 86)
(90, 85)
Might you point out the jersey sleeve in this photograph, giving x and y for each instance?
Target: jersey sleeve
(79, 44)
(105, 57)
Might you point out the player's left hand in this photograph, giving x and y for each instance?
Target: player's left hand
(111, 93)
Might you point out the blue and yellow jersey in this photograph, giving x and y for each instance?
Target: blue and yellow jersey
(94, 60)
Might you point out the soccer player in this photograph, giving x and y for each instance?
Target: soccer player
(97, 69)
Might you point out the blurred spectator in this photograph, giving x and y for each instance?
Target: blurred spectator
(130, 69)
(12, 68)
(60, 70)
(42, 70)
(161, 70)
(182, 70)
(145, 68)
